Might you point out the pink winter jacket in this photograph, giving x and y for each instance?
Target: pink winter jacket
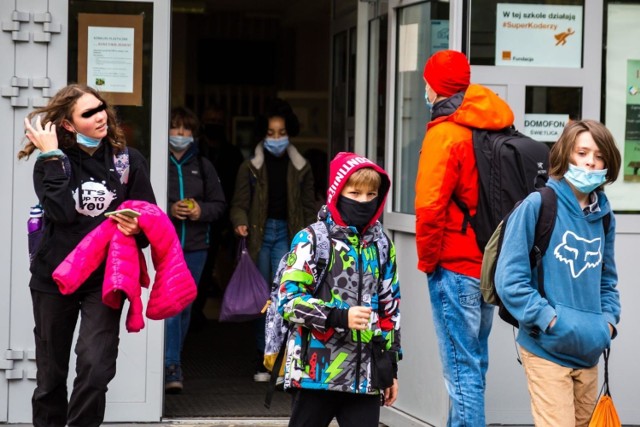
(126, 271)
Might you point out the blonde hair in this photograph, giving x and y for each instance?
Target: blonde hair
(366, 178)
(60, 108)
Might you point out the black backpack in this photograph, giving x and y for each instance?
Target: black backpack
(510, 166)
(544, 228)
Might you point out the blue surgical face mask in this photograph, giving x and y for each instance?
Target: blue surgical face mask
(180, 143)
(427, 100)
(585, 181)
(87, 141)
(276, 146)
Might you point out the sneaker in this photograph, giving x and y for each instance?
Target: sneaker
(172, 379)
(262, 377)
(173, 387)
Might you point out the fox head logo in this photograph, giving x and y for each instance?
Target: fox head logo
(579, 253)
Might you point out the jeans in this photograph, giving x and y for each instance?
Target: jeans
(462, 322)
(176, 327)
(275, 243)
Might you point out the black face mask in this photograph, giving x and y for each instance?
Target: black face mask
(356, 213)
(214, 132)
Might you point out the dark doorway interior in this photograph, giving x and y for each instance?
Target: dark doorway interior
(218, 377)
(283, 46)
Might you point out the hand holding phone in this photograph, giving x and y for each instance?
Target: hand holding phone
(128, 212)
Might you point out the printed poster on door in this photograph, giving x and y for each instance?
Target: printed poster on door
(110, 55)
(536, 35)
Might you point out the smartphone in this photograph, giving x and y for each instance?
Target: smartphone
(128, 212)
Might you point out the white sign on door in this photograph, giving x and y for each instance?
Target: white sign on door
(110, 59)
(545, 127)
(536, 35)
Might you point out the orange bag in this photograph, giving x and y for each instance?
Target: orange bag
(605, 414)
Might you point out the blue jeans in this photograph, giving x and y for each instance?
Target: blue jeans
(462, 321)
(275, 243)
(176, 327)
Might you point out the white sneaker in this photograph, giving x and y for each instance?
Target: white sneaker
(262, 377)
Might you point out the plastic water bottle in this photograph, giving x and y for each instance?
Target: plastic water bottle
(35, 219)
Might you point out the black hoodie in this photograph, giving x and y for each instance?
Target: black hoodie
(67, 222)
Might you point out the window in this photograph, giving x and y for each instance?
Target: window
(422, 30)
(135, 120)
(621, 99)
(548, 109)
(526, 33)
(377, 90)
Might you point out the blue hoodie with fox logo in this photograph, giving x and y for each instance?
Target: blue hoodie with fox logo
(580, 280)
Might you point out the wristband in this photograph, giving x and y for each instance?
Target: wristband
(49, 154)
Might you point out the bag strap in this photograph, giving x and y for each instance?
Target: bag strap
(544, 228)
(605, 386)
(323, 249)
(480, 140)
(323, 256)
(275, 370)
(604, 390)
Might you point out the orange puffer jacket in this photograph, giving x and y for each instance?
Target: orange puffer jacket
(447, 166)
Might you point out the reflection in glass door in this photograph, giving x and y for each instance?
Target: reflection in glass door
(377, 90)
(422, 29)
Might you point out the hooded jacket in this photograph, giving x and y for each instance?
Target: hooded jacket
(322, 353)
(251, 197)
(126, 271)
(580, 280)
(195, 177)
(95, 181)
(446, 167)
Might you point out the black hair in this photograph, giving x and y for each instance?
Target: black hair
(277, 108)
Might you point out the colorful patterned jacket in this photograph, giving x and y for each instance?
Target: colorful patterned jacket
(322, 353)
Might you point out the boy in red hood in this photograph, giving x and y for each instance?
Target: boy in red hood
(344, 324)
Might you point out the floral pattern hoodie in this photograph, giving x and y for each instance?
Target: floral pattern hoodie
(322, 352)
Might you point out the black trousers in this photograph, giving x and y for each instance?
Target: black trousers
(96, 352)
(316, 408)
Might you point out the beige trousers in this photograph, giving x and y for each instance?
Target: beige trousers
(560, 396)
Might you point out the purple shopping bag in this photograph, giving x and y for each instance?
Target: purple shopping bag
(247, 291)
